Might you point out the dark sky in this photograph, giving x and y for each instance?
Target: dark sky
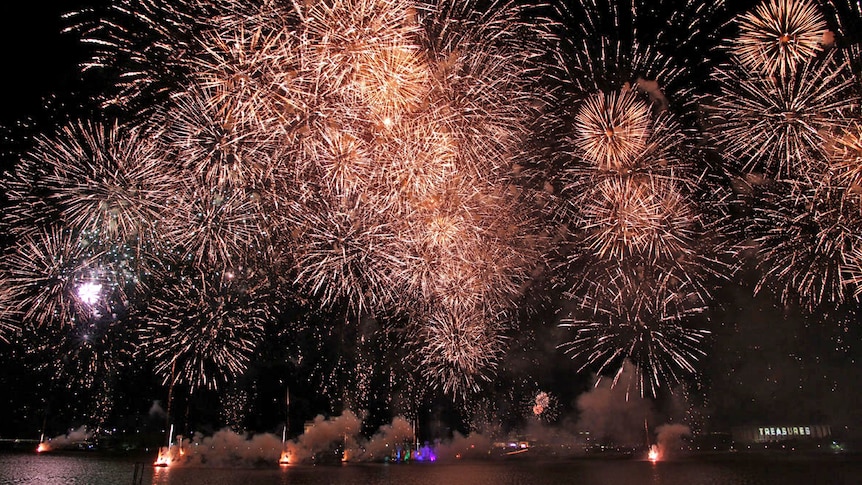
(767, 362)
(38, 59)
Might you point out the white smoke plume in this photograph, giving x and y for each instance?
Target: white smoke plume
(72, 439)
(325, 434)
(472, 446)
(669, 437)
(383, 442)
(613, 415)
(156, 410)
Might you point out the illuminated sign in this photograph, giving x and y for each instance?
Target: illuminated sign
(786, 431)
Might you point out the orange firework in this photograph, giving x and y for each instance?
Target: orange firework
(611, 131)
(779, 35)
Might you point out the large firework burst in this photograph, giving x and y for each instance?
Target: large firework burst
(803, 237)
(210, 137)
(203, 327)
(458, 350)
(776, 125)
(93, 178)
(627, 319)
(779, 35)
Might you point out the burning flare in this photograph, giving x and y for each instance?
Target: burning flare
(285, 458)
(653, 455)
(164, 458)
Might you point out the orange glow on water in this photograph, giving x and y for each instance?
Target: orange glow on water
(164, 458)
(284, 459)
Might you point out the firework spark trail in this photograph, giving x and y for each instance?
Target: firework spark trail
(84, 356)
(9, 318)
(778, 36)
(208, 324)
(844, 18)
(777, 125)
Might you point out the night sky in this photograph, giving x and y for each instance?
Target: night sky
(766, 362)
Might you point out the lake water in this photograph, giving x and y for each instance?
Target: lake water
(93, 469)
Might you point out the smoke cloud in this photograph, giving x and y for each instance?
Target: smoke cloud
(612, 414)
(156, 410)
(669, 437)
(70, 440)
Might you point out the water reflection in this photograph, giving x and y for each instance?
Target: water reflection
(93, 469)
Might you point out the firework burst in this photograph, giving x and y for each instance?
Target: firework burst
(611, 130)
(627, 321)
(375, 138)
(463, 254)
(638, 217)
(345, 253)
(45, 271)
(101, 179)
(353, 38)
(214, 138)
(458, 351)
(544, 406)
(803, 237)
(775, 125)
(217, 227)
(202, 329)
(486, 63)
(779, 35)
